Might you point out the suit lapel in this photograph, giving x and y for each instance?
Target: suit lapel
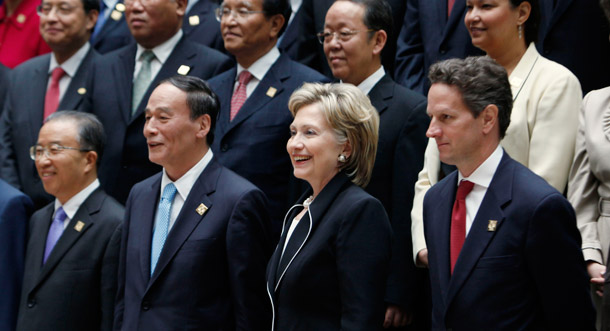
(72, 98)
(498, 195)
(454, 19)
(38, 239)
(109, 25)
(146, 219)
(123, 73)
(224, 89)
(562, 6)
(189, 218)
(382, 93)
(39, 85)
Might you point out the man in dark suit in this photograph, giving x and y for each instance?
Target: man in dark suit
(251, 135)
(15, 210)
(201, 26)
(356, 59)
(575, 34)
(111, 31)
(73, 244)
(42, 85)
(196, 242)
(122, 81)
(503, 246)
(431, 32)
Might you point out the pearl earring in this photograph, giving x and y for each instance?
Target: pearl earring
(520, 31)
(341, 158)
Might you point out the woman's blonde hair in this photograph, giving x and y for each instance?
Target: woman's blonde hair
(352, 117)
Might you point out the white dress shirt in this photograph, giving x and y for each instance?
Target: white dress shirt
(481, 178)
(367, 85)
(71, 206)
(258, 70)
(162, 52)
(70, 67)
(184, 185)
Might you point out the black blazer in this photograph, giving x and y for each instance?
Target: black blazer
(22, 119)
(400, 157)
(333, 272)
(125, 160)
(4, 79)
(76, 287)
(210, 274)
(200, 25)
(115, 32)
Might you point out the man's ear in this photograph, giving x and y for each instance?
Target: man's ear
(91, 161)
(277, 22)
(489, 116)
(205, 124)
(380, 38)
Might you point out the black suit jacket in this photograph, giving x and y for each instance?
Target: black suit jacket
(523, 272)
(125, 160)
(400, 157)
(200, 25)
(76, 287)
(210, 274)
(115, 32)
(333, 272)
(4, 80)
(22, 119)
(575, 34)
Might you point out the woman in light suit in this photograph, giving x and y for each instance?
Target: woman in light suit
(546, 99)
(329, 269)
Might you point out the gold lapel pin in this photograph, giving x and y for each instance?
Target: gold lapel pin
(21, 18)
(271, 92)
(194, 20)
(201, 209)
(120, 7)
(492, 225)
(116, 15)
(79, 226)
(184, 70)
(81, 91)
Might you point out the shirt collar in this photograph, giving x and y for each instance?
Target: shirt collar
(70, 66)
(259, 68)
(71, 206)
(185, 183)
(367, 85)
(110, 5)
(163, 51)
(485, 172)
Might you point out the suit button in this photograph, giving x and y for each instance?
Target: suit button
(145, 305)
(224, 147)
(31, 303)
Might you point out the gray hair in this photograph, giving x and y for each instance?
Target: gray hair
(91, 134)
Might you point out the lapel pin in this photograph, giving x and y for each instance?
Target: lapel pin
(492, 225)
(81, 91)
(194, 20)
(120, 7)
(271, 92)
(201, 209)
(79, 226)
(116, 15)
(21, 18)
(184, 70)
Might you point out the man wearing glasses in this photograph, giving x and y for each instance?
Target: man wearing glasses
(44, 84)
(254, 118)
(122, 81)
(73, 243)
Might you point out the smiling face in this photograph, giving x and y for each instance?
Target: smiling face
(313, 147)
(65, 174)
(152, 22)
(175, 142)
(492, 24)
(353, 60)
(66, 27)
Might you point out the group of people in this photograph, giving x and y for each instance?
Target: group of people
(260, 196)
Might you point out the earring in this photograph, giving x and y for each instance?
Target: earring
(342, 158)
(520, 31)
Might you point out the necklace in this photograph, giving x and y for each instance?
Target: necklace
(308, 201)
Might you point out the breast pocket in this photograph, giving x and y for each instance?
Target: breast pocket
(197, 245)
(504, 262)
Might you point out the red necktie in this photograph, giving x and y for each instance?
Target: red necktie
(51, 99)
(458, 221)
(240, 96)
(450, 7)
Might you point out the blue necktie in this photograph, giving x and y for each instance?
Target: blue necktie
(101, 18)
(162, 224)
(55, 231)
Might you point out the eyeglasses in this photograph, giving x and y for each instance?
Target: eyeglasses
(60, 10)
(37, 151)
(239, 13)
(341, 35)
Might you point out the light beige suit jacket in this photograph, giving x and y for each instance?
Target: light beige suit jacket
(589, 184)
(541, 134)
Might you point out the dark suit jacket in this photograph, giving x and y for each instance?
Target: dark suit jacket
(334, 277)
(400, 157)
(210, 275)
(76, 287)
(254, 143)
(125, 160)
(203, 29)
(22, 119)
(575, 34)
(527, 274)
(15, 210)
(4, 82)
(428, 36)
(113, 35)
